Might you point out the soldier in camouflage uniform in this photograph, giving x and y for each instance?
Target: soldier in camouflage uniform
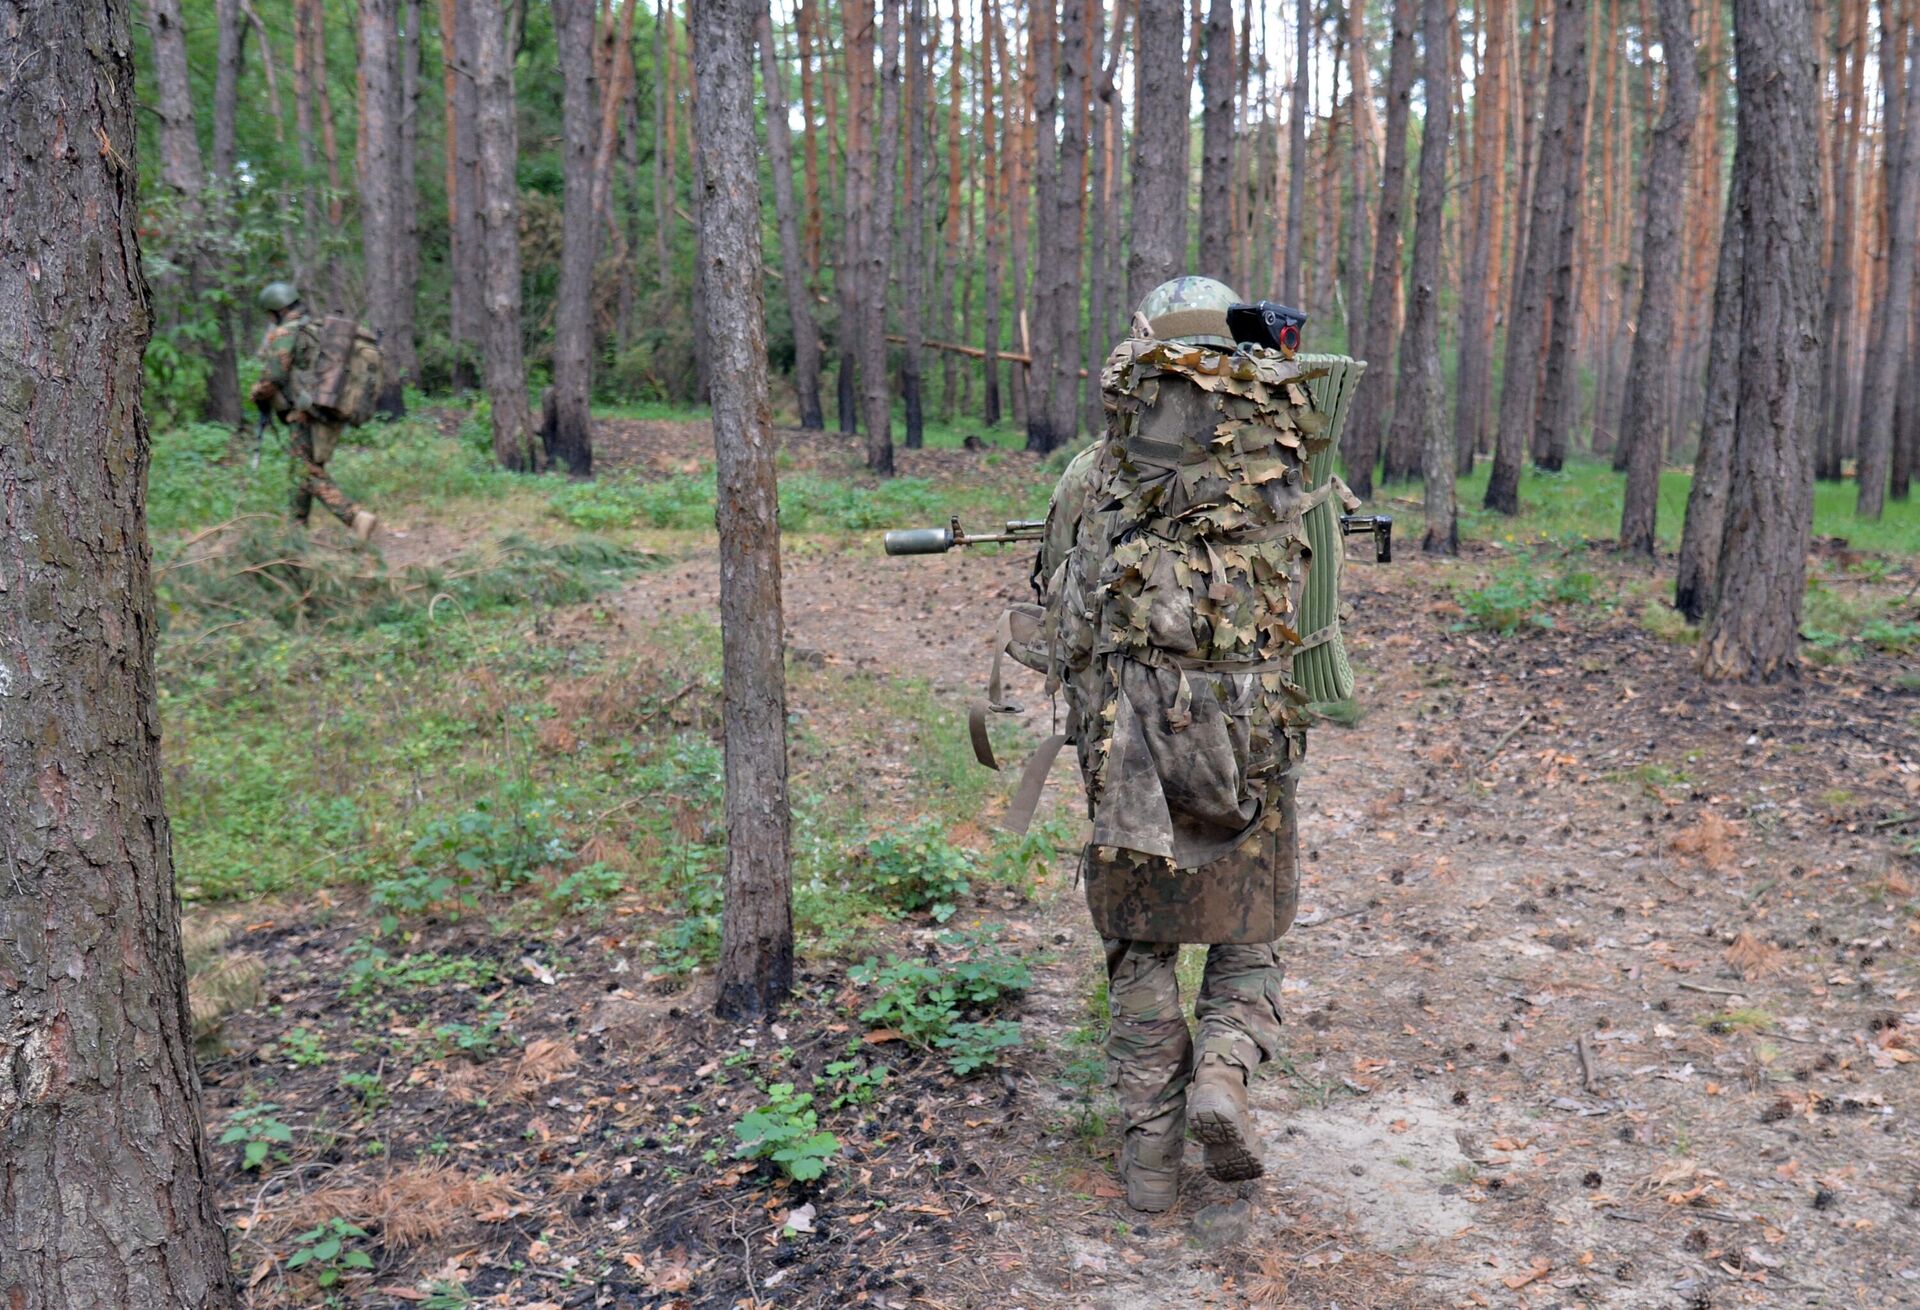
(284, 354)
(1171, 575)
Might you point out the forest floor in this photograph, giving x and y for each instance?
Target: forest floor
(1603, 992)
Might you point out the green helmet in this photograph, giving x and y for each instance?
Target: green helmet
(1190, 309)
(276, 296)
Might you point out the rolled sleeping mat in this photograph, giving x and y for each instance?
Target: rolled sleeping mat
(1323, 671)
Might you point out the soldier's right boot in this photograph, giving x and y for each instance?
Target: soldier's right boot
(1150, 1166)
(1218, 1113)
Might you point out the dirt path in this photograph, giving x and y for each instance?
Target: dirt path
(1526, 1065)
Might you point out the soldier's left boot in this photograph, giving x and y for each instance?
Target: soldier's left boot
(1150, 1166)
(1218, 1113)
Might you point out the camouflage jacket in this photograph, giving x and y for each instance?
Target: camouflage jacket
(286, 353)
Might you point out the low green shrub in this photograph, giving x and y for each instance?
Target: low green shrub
(947, 1006)
(916, 869)
(1523, 594)
(786, 1131)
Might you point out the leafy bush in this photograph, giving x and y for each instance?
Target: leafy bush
(786, 1131)
(929, 1004)
(917, 869)
(373, 970)
(325, 1250)
(584, 888)
(263, 1136)
(851, 1084)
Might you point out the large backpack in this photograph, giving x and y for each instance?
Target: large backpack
(337, 374)
(1172, 611)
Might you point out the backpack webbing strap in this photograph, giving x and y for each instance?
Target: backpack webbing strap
(1191, 323)
(1033, 780)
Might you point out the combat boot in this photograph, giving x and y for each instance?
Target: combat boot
(364, 523)
(1217, 1110)
(1150, 1167)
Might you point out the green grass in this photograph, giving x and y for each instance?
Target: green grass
(1582, 503)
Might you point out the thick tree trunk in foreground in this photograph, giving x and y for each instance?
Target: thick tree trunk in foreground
(1159, 150)
(1526, 324)
(1216, 144)
(1422, 405)
(106, 1200)
(876, 390)
(806, 335)
(1554, 416)
(505, 365)
(1752, 633)
(1706, 523)
(378, 159)
(1366, 430)
(1888, 342)
(1650, 374)
(756, 951)
(567, 424)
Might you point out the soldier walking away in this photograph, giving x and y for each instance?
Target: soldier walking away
(1171, 584)
(319, 378)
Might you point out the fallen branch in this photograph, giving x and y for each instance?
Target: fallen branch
(1589, 1064)
(1685, 986)
(1506, 737)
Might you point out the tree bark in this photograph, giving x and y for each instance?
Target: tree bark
(1043, 109)
(466, 257)
(226, 84)
(911, 275)
(948, 249)
(1217, 71)
(1159, 181)
(806, 335)
(1421, 410)
(1553, 417)
(1292, 285)
(1063, 232)
(1892, 311)
(1479, 293)
(876, 391)
(1374, 402)
(1650, 372)
(857, 220)
(505, 364)
(106, 1199)
(1751, 635)
(1365, 130)
(378, 160)
(1700, 535)
(756, 947)
(566, 419)
(1837, 311)
(406, 300)
(992, 170)
(1519, 384)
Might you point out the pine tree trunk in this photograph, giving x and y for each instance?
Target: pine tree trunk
(1837, 314)
(992, 179)
(1906, 445)
(566, 423)
(1554, 416)
(911, 275)
(1752, 632)
(1292, 285)
(406, 299)
(1519, 385)
(1365, 132)
(1479, 295)
(876, 393)
(803, 20)
(378, 160)
(465, 257)
(1650, 374)
(1372, 405)
(1068, 225)
(1042, 318)
(857, 218)
(949, 247)
(755, 972)
(1019, 157)
(806, 335)
(1159, 181)
(1892, 310)
(1216, 145)
(106, 1200)
(505, 365)
(1422, 389)
(226, 84)
(1695, 574)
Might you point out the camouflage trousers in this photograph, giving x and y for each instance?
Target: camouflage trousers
(311, 444)
(1151, 1055)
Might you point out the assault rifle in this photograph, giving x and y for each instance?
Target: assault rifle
(938, 541)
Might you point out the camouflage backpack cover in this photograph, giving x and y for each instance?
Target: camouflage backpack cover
(335, 367)
(1171, 584)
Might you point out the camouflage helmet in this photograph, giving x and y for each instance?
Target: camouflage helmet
(1190, 309)
(277, 296)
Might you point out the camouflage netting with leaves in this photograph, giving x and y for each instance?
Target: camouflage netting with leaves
(1178, 605)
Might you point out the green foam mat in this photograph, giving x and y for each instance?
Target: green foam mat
(1323, 672)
